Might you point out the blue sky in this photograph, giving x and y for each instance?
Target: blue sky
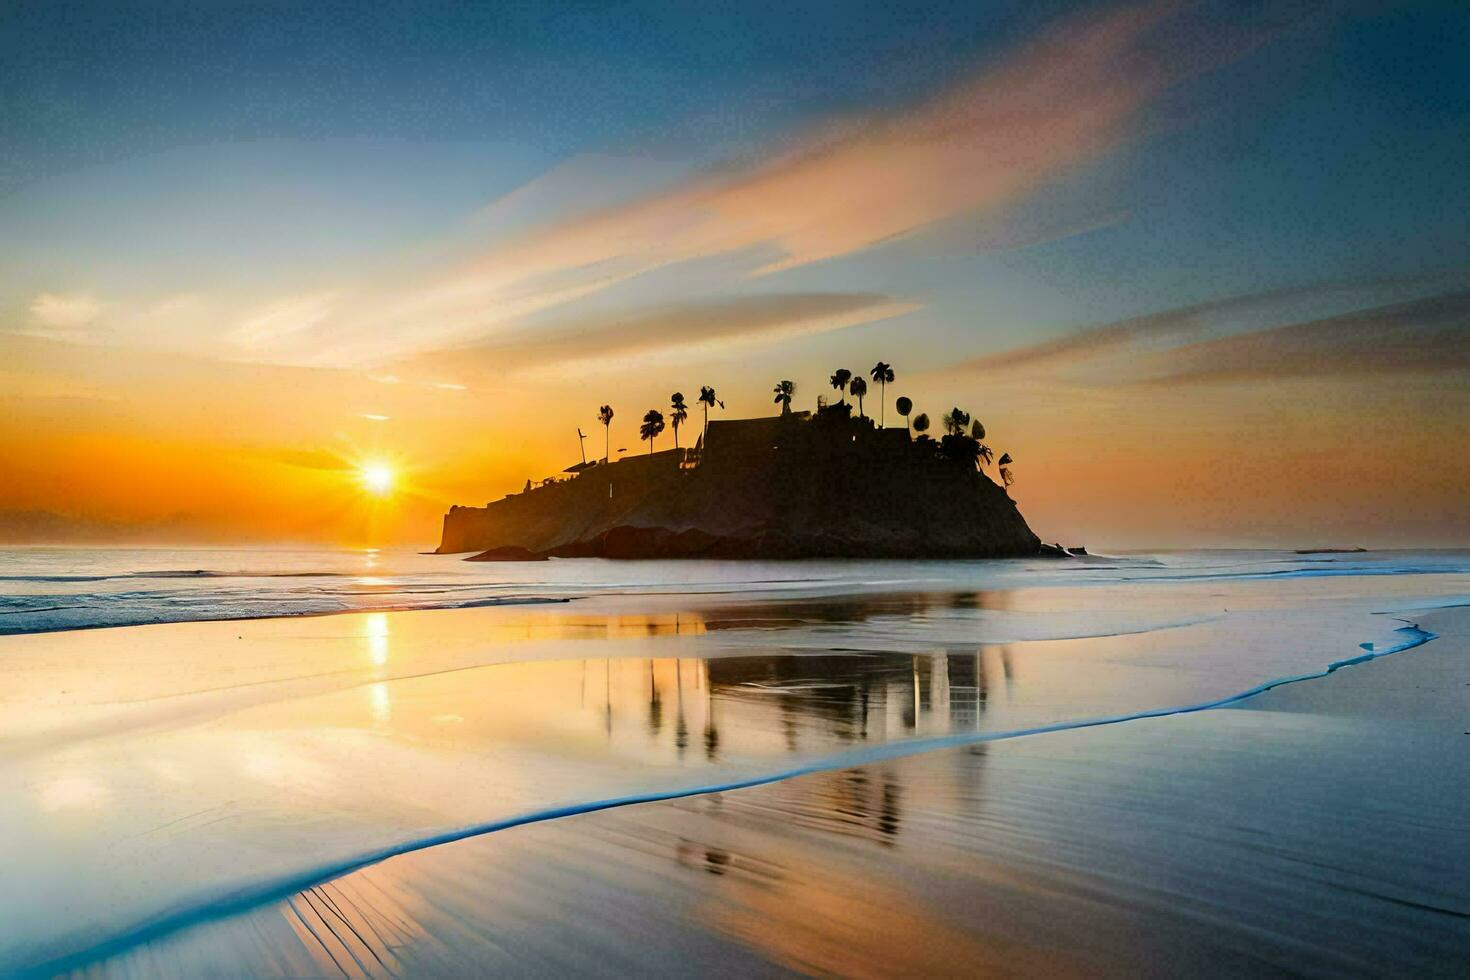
(231, 146)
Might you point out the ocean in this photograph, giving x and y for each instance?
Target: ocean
(192, 735)
(45, 589)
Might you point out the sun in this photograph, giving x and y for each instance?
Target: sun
(377, 478)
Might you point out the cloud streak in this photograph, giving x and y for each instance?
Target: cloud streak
(1207, 343)
(686, 328)
(63, 316)
(979, 147)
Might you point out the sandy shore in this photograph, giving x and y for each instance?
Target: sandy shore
(1320, 828)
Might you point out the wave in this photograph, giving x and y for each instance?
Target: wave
(1373, 569)
(251, 895)
(190, 573)
(187, 609)
(51, 600)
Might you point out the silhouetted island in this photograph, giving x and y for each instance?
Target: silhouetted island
(795, 485)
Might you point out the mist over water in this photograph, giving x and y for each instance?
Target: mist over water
(164, 774)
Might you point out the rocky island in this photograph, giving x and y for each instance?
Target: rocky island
(795, 485)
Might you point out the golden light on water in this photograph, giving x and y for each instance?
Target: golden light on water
(377, 478)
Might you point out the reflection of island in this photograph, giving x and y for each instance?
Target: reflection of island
(795, 704)
(789, 486)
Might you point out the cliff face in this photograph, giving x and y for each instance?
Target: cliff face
(784, 487)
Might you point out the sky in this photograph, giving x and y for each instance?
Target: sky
(1201, 268)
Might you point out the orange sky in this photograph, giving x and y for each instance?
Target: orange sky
(160, 446)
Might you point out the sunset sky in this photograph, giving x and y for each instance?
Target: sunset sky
(1203, 269)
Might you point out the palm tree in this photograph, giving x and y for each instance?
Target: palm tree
(960, 449)
(883, 373)
(653, 424)
(784, 390)
(904, 406)
(839, 380)
(707, 399)
(678, 413)
(1005, 469)
(859, 388)
(605, 416)
(977, 432)
(921, 423)
(955, 421)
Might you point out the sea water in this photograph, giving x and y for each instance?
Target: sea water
(245, 744)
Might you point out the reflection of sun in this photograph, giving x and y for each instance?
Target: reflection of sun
(375, 627)
(377, 478)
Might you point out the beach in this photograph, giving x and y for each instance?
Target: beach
(1220, 764)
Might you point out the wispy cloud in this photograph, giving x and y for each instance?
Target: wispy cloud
(63, 316)
(685, 328)
(978, 147)
(63, 311)
(1249, 338)
(283, 320)
(1423, 336)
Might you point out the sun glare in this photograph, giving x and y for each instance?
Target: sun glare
(377, 478)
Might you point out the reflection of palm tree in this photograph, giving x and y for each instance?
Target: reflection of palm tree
(678, 413)
(707, 399)
(711, 733)
(655, 703)
(653, 424)
(859, 388)
(605, 416)
(839, 380)
(784, 390)
(883, 373)
(681, 728)
(904, 406)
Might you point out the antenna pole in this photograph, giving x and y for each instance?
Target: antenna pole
(582, 444)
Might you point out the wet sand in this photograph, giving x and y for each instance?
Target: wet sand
(1320, 828)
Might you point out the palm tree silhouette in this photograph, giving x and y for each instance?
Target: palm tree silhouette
(1005, 469)
(784, 390)
(904, 406)
(839, 380)
(921, 423)
(983, 453)
(859, 388)
(883, 373)
(679, 412)
(605, 416)
(955, 421)
(707, 399)
(653, 424)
